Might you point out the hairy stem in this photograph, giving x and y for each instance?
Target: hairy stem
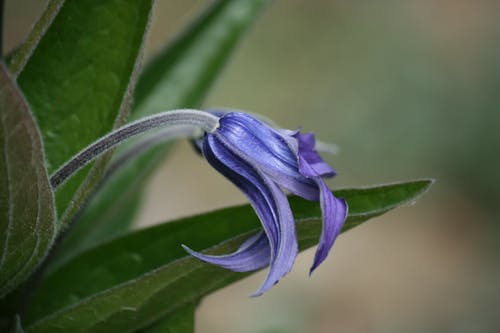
(186, 118)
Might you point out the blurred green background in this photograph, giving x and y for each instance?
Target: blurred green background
(407, 89)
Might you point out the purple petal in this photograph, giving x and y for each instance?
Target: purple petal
(301, 186)
(334, 214)
(310, 163)
(268, 201)
(273, 151)
(287, 249)
(261, 143)
(253, 254)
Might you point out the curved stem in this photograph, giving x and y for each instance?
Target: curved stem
(193, 118)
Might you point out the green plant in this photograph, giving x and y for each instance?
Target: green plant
(69, 261)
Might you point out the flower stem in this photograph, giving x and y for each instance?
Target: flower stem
(146, 144)
(186, 118)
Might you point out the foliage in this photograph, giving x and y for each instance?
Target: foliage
(71, 82)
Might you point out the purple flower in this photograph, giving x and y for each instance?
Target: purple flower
(263, 161)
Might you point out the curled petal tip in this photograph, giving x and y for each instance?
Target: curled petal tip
(313, 268)
(190, 251)
(334, 215)
(264, 288)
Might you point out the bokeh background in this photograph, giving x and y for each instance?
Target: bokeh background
(406, 89)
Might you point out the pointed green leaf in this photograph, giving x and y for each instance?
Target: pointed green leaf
(128, 283)
(78, 81)
(178, 77)
(27, 216)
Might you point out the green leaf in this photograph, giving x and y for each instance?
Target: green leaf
(129, 282)
(179, 76)
(78, 81)
(182, 73)
(110, 213)
(27, 216)
(177, 321)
